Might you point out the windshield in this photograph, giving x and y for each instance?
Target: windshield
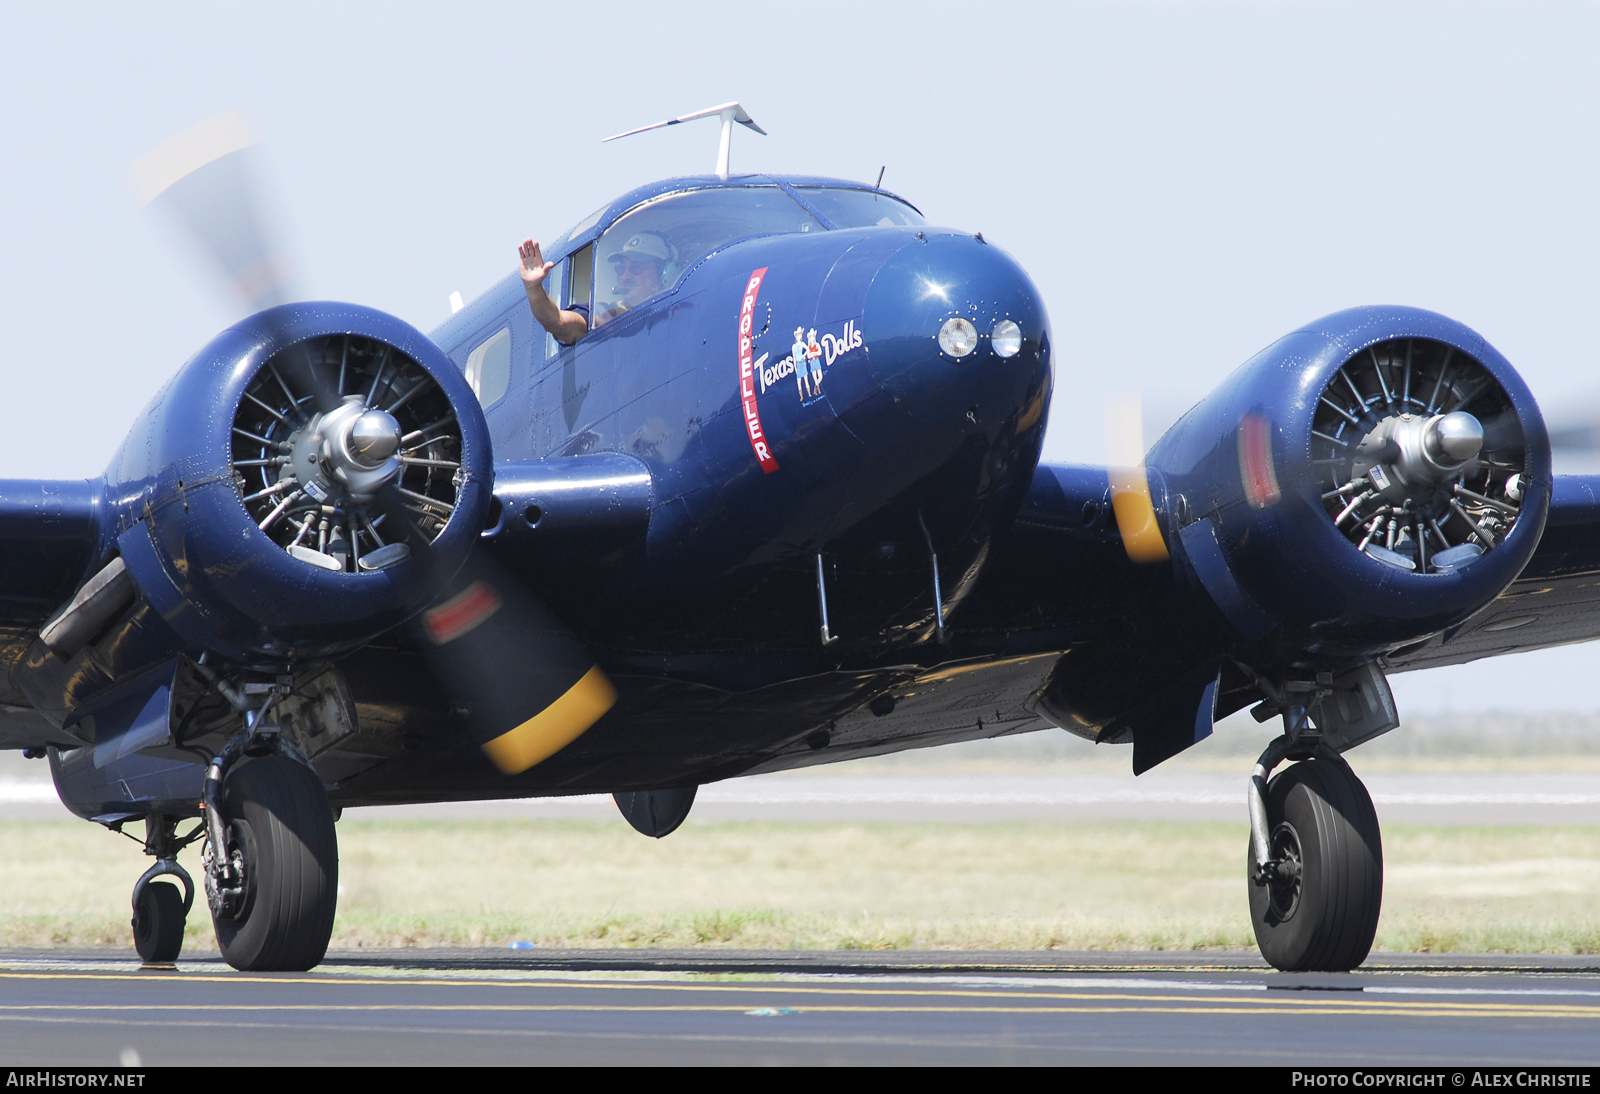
(861, 208)
(645, 252)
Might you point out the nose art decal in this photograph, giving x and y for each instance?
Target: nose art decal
(808, 358)
(747, 372)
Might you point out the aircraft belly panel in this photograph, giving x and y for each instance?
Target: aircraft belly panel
(956, 703)
(672, 732)
(661, 732)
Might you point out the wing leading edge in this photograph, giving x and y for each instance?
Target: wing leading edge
(1554, 602)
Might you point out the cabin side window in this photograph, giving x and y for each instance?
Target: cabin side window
(555, 284)
(569, 285)
(580, 275)
(488, 370)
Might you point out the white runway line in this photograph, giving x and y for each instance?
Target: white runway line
(1067, 790)
(1069, 981)
(27, 791)
(1176, 788)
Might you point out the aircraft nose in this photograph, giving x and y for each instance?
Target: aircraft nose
(957, 339)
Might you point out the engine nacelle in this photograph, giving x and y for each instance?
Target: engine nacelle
(1369, 480)
(261, 500)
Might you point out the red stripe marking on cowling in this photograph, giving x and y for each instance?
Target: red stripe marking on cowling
(1260, 477)
(458, 615)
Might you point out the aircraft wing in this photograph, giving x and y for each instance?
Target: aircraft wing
(52, 539)
(1555, 601)
(48, 538)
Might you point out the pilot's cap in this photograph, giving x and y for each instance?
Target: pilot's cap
(646, 245)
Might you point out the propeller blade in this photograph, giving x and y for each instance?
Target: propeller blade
(208, 179)
(1130, 485)
(1505, 429)
(528, 686)
(1583, 439)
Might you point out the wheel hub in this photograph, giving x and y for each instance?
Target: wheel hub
(1283, 872)
(226, 883)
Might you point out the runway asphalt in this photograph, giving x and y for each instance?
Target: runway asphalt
(651, 1007)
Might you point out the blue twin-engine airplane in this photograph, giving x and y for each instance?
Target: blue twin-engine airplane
(785, 507)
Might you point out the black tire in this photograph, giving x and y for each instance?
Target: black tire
(280, 816)
(1324, 916)
(158, 923)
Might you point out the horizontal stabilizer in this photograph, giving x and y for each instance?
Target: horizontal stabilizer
(738, 114)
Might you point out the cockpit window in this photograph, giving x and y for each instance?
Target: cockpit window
(588, 222)
(861, 208)
(646, 251)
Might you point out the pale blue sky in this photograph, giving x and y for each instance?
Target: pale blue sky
(1185, 182)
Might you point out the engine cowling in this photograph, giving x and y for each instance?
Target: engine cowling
(1371, 479)
(261, 498)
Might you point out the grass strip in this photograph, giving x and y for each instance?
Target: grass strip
(1024, 885)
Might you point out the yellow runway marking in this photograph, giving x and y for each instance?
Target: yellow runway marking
(1276, 1007)
(1098, 1001)
(1300, 1003)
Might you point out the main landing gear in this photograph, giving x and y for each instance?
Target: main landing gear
(271, 857)
(1315, 862)
(1315, 865)
(273, 886)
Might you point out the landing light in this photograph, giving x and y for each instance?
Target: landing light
(1005, 339)
(958, 337)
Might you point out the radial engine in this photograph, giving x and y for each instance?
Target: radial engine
(1359, 485)
(307, 481)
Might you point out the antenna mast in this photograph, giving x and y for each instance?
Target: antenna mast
(727, 112)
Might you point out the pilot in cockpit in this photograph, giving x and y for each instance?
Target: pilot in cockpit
(637, 270)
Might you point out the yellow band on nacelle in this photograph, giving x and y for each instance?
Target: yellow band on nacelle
(554, 727)
(1136, 516)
